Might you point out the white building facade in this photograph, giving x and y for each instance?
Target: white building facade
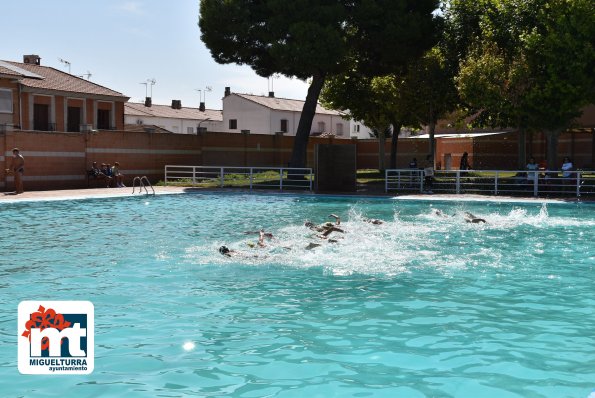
(271, 115)
(173, 118)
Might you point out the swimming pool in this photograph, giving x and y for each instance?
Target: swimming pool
(424, 305)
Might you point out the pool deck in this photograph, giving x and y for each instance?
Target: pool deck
(73, 194)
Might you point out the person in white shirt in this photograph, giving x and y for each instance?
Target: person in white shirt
(567, 167)
(532, 173)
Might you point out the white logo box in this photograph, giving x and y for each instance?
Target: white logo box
(80, 361)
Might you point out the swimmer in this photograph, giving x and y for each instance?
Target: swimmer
(224, 250)
(337, 218)
(266, 234)
(471, 218)
(261, 236)
(439, 213)
(373, 221)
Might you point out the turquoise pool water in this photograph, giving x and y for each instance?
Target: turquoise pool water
(420, 306)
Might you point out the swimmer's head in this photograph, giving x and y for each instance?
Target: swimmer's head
(223, 250)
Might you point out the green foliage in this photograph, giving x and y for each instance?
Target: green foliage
(528, 64)
(316, 39)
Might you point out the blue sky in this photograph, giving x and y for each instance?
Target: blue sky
(123, 43)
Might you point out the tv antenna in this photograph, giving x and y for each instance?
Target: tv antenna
(87, 75)
(149, 82)
(270, 81)
(202, 94)
(66, 63)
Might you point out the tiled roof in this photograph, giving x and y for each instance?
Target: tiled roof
(56, 80)
(135, 109)
(284, 104)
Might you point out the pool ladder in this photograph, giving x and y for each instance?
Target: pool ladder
(143, 182)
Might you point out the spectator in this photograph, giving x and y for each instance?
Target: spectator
(465, 162)
(117, 175)
(567, 167)
(429, 174)
(17, 167)
(532, 168)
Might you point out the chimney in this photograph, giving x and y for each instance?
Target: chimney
(271, 94)
(176, 104)
(32, 59)
(227, 91)
(201, 107)
(148, 102)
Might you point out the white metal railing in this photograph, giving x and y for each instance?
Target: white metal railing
(493, 182)
(254, 177)
(143, 182)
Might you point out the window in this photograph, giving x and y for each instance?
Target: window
(283, 125)
(5, 101)
(73, 119)
(190, 130)
(321, 127)
(41, 117)
(339, 129)
(103, 119)
(233, 124)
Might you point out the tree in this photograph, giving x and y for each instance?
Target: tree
(313, 39)
(418, 94)
(528, 64)
(430, 91)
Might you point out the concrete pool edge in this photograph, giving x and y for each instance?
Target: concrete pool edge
(99, 193)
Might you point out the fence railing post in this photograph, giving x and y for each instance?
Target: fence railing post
(386, 181)
(193, 176)
(251, 173)
(311, 179)
(496, 183)
(281, 179)
(458, 182)
(535, 185)
(165, 183)
(221, 176)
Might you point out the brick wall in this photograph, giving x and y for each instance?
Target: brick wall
(60, 160)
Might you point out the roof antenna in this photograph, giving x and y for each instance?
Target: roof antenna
(65, 62)
(88, 75)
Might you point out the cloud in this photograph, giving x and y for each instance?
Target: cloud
(132, 7)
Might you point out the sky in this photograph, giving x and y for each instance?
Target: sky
(125, 43)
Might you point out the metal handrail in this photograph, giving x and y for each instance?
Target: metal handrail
(289, 177)
(141, 185)
(495, 182)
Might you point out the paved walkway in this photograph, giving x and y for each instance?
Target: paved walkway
(83, 194)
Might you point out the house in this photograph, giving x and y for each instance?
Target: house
(36, 97)
(174, 118)
(272, 115)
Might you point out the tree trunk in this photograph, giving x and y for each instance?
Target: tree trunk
(431, 130)
(300, 143)
(552, 149)
(393, 144)
(381, 151)
(522, 147)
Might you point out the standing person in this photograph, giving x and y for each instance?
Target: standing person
(17, 167)
(429, 174)
(532, 167)
(465, 162)
(119, 177)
